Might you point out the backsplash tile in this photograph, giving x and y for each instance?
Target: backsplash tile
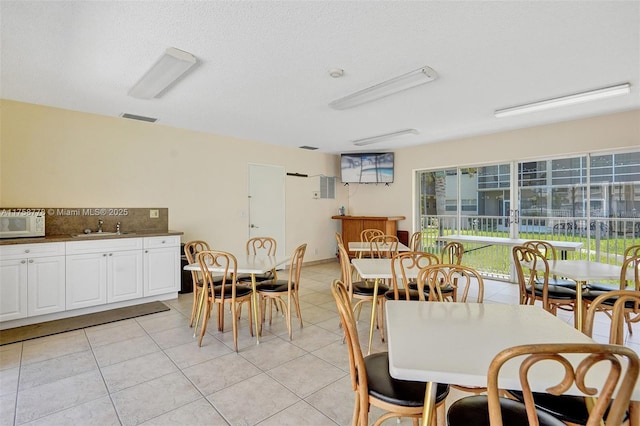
(74, 220)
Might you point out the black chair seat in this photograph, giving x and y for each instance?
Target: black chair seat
(413, 295)
(556, 292)
(365, 288)
(277, 286)
(445, 290)
(398, 392)
(592, 294)
(474, 410)
(603, 286)
(567, 408)
(562, 282)
(241, 290)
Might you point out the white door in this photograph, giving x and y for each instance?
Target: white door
(266, 203)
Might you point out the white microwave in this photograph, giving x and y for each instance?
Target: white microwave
(21, 223)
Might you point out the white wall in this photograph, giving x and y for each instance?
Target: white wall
(598, 134)
(52, 157)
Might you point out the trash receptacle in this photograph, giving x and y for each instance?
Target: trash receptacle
(186, 282)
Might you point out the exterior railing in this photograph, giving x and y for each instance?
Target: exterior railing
(604, 239)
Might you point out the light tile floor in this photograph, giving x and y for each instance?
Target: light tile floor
(149, 370)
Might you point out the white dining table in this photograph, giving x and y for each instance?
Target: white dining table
(583, 271)
(247, 264)
(376, 270)
(361, 247)
(563, 246)
(444, 342)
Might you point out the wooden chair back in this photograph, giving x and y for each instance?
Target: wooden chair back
(346, 269)
(623, 367)
(262, 245)
(357, 366)
(531, 268)
(295, 267)
(367, 234)
(452, 253)
(454, 279)
(226, 279)
(406, 265)
(630, 268)
(632, 251)
(191, 250)
(618, 303)
(415, 242)
(339, 239)
(384, 246)
(545, 248)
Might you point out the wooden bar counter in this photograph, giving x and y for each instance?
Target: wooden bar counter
(353, 225)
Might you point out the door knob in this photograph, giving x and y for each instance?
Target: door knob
(253, 226)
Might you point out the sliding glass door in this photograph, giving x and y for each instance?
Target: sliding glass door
(593, 199)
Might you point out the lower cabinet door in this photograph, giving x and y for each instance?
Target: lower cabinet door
(46, 285)
(13, 289)
(124, 275)
(86, 280)
(161, 271)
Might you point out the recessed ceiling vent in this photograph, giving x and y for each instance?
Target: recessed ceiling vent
(138, 117)
(310, 148)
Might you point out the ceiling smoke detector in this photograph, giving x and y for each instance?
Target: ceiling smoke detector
(336, 72)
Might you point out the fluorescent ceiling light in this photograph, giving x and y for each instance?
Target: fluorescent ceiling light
(592, 95)
(171, 66)
(398, 84)
(384, 137)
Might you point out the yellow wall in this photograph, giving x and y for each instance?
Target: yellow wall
(53, 157)
(607, 133)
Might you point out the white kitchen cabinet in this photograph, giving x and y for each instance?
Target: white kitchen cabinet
(46, 285)
(161, 265)
(32, 280)
(13, 289)
(103, 271)
(124, 275)
(86, 280)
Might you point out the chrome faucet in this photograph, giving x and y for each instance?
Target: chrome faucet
(118, 228)
(100, 222)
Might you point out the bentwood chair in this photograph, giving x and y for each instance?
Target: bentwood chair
(547, 250)
(266, 246)
(191, 250)
(404, 268)
(370, 378)
(452, 253)
(415, 242)
(532, 269)
(367, 234)
(629, 252)
(362, 291)
(622, 363)
(572, 410)
(228, 292)
(443, 280)
(384, 246)
(630, 267)
(278, 290)
(365, 237)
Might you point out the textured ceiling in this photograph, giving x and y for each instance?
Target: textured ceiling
(263, 65)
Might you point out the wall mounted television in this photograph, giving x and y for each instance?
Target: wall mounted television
(367, 167)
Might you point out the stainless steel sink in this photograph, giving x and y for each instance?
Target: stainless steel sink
(102, 234)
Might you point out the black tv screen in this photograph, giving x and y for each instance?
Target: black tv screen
(367, 168)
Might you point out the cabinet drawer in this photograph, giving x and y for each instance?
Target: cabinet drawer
(99, 246)
(21, 251)
(158, 242)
